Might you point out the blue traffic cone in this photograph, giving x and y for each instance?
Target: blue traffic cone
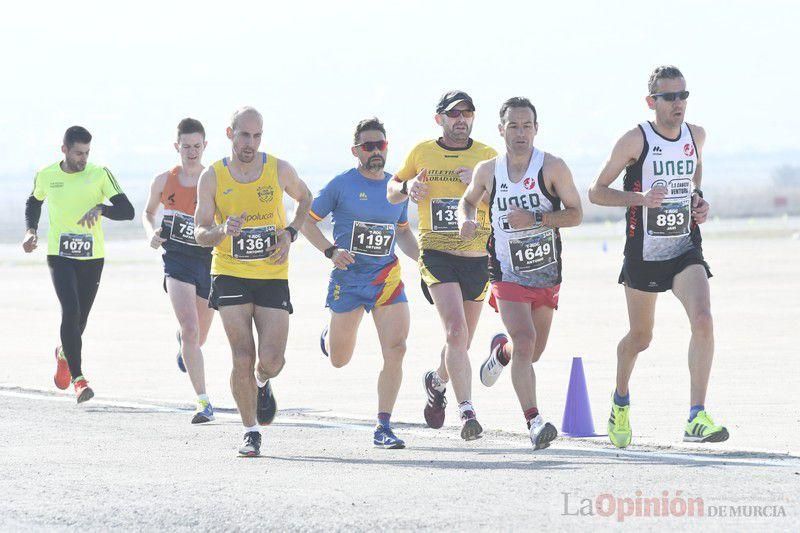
(577, 420)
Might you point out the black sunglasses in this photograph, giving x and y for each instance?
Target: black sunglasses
(371, 146)
(466, 113)
(671, 97)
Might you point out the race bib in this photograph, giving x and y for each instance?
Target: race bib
(443, 214)
(532, 252)
(372, 238)
(75, 245)
(253, 243)
(670, 220)
(182, 229)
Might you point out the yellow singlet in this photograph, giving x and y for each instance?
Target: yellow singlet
(244, 256)
(438, 227)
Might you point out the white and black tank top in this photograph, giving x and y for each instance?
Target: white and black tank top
(665, 232)
(529, 257)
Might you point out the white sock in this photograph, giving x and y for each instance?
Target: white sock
(202, 398)
(259, 382)
(252, 428)
(465, 406)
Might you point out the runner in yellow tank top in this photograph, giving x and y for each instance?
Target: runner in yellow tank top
(240, 213)
(454, 271)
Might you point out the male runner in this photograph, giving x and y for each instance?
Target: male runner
(75, 190)
(454, 271)
(366, 274)
(240, 212)
(663, 173)
(187, 265)
(526, 188)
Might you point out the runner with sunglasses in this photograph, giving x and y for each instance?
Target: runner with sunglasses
(455, 275)
(240, 213)
(366, 274)
(75, 191)
(527, 188)
(663, 173)
(187, 265)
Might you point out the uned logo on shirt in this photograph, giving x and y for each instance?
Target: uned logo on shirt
(529, 183)
(265, 194)
(688, 149)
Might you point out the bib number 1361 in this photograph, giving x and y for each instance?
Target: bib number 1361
(253, 243)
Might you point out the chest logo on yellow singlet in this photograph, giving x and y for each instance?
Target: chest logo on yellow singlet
(265, 194)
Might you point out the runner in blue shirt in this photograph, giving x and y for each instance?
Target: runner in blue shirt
(366, 274)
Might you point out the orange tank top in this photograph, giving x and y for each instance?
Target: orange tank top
(176, 197)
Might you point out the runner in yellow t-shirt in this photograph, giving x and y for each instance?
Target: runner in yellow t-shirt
(75, 191)
(454, 271)
(240, 213)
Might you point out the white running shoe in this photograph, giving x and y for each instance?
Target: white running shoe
(542, 433)
(491, 368)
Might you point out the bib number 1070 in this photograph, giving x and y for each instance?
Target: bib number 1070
(75, 245)
(253, 243)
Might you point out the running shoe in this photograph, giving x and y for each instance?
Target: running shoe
(62, 377)
(385, 438)
(181, 366)
(205, 413)
(542, 433)
(471, 430)
(251, 445)
(266, 406)
(434, 409)
(83, 391)
(491, 368)
(702, 429)
(322, 342)
(619, 427)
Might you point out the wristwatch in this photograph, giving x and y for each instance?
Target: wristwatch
(292, 232)
(404, 188)
(698, 192)
(329, 251)
(538, 217)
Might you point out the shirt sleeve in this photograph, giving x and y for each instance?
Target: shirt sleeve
(39, 187)
(110, 186)
(409, 168)
(403, 220)
(325, 201)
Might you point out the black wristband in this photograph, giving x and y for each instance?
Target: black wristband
(698, 192)
(329, 251)
(404, 188)
(292, 232)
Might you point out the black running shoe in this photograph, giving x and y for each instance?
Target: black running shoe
(251, 446)
(471, 429)
(265, 405)
(436, 404)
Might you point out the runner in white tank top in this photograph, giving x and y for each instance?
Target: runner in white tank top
(663, 168)
(526, 188)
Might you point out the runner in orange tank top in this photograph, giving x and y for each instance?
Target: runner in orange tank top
(187, 265)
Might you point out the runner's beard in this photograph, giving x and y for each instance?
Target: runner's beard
(375, 163)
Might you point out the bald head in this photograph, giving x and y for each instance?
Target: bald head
(245, 112)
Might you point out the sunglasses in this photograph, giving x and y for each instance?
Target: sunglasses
(671, 97)
(371, 146)
(454, 113)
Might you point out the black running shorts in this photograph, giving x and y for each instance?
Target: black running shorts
(471, 273)
(230, 290)
(657, 276)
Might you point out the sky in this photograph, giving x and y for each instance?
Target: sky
(130, 71)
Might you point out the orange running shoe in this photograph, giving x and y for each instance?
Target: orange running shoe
(82, 390)
(62, 376)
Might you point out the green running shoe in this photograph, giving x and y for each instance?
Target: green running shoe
(702, 429)
(619, 427)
